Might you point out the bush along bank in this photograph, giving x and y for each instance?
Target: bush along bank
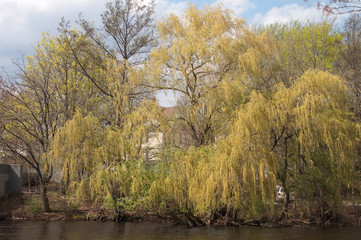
(28, 207)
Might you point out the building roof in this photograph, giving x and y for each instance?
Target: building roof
(169, 111)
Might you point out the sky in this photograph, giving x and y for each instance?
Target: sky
(22, 22)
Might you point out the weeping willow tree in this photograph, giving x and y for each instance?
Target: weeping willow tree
(301, 136)
(73, 148)
(104, 150)
(196, 50)
(120, 187)
(171, 192)
(124, 181)
(105, 164)
(297, 137)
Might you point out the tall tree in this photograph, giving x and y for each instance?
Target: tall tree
(49, 92)
(124, 41)
(299, 133)
(29, 117)
(196, 52)
(105, 163)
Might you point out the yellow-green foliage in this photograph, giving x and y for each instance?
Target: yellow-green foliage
(206, 38)
(105, 163)
(257, 106)
(306, 126)
(295, 131)
(197, 49)
(201, 181)
(74, 148)
(120, 186)
(260, 104)
(282, 52)
(173, 190)
(53, 60)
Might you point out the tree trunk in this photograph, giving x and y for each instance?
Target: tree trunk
(29, 180)
(44, 196)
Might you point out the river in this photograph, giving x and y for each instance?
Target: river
(61, 230)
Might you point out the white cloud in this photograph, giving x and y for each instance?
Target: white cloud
(23, 19)
(47, 5)
(164, 7)
(237, 6)
(288, 13)
(22, 22)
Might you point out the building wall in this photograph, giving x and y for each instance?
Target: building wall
(15, 180)
(4, 178)
(153, 145)
(10, 179)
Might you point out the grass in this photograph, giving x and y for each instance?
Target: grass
(33, 206)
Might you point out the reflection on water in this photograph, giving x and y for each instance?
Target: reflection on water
(19, 230)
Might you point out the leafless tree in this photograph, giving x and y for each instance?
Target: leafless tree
(127, 35)
(28, 122)
(349, 62)
(338, 6)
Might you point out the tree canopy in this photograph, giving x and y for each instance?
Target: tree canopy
(259, 107)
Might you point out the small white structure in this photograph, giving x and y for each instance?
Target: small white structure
(154, 141)
(153, 146)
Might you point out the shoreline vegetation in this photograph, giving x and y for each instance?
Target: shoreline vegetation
(27, 206)
(258, 108)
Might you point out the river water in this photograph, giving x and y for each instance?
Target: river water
(32, 230)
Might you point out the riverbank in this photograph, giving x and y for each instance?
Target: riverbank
(27, 206)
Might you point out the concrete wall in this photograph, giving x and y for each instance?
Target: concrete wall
(15, 179)
(4, 179)
(10, 179)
